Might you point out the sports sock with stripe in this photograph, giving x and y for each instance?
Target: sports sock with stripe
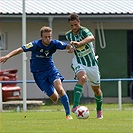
(65, 101)
(98, 100)
(77, 94)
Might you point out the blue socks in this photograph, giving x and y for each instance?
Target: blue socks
(65, 102)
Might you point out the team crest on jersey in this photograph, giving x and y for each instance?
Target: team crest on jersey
(29, 45)
(46, 53)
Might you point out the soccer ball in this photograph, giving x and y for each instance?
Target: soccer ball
(82, 112)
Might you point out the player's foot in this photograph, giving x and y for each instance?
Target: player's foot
(69, 117)
(74, 109)
(99, 115)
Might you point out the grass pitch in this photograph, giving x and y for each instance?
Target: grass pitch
(51, 119)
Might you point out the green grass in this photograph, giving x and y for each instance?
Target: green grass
(51, 119)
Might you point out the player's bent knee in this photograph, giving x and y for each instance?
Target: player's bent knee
(54, 97)
(97, 90)
(83, 79)
(61, 92)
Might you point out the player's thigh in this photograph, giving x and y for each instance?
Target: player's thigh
(54, 97)
(54, 74)
(76, 66)
(42, 82)
(93, 75)
(59, 88)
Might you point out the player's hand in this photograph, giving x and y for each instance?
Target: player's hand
(71, 50)
(76, 44)
(72, 47)
(3, 59)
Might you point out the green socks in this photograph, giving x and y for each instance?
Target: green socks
(77, 94)
(98, 100)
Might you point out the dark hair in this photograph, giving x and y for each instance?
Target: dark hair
(73, 16)
(45, 29)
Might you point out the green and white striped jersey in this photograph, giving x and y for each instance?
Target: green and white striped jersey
(84, 54)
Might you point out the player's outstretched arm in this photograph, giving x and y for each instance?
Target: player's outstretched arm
(3, 59)
(88, 39)
(70, 48)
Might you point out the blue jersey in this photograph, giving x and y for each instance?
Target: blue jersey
(41, 56)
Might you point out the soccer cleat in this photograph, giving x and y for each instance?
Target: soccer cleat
(99, 115)
(74, 109)
(69, 117)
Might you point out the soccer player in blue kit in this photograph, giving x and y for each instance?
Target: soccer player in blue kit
(45, 73)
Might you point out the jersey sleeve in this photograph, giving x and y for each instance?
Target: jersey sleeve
(60, 45)
(28, 47)
(68, 36)
(86, 32)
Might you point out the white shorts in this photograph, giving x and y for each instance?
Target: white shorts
(93, 74)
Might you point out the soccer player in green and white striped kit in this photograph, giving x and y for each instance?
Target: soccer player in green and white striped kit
(84, 63)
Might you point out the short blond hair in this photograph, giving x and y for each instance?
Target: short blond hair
(45, 29)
